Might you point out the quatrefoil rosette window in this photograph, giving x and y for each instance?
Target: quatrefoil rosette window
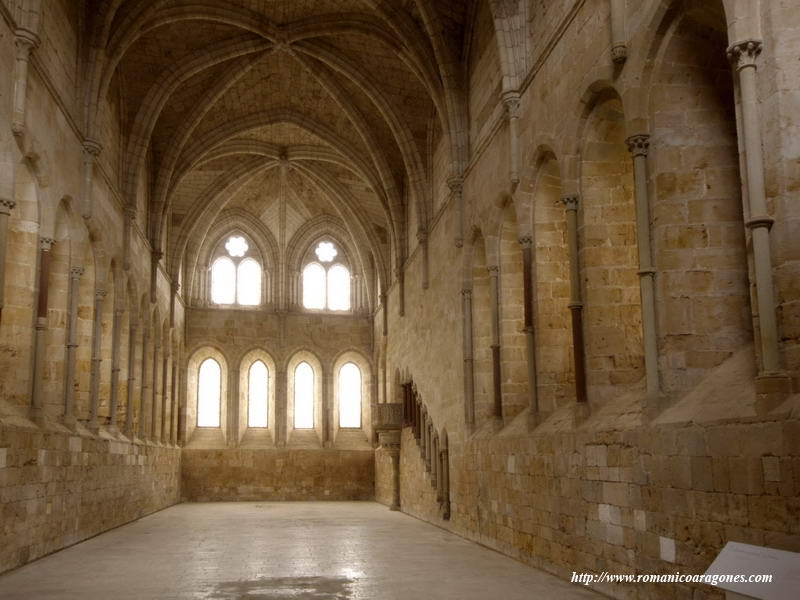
(236, 273)
(326, 280)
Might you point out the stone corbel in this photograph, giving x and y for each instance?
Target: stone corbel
(91, 150)
(511, 102)
(25, 42)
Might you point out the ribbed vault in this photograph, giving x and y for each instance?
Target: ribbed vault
(287, 110)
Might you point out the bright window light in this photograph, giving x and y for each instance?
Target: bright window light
(208, 394)
(326, 252)
(303, 396)
(314, 286)
(257, 394)
(236, 246)
(248, 283)
(338, 288)
(223, 281)
(349, 396)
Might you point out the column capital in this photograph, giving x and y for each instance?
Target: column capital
(511, 103)
(25, 41)
(156, 255)
(619, 53)
(456, 184)
(494, 270)
(76, 272)
(466, 292)
(745, 52)
(130, 213)
(422, 235)
(99, 294)
(638, 144)
(6, 206)
(91, 148)
(526, 241)
(570, 202)
(46, 243)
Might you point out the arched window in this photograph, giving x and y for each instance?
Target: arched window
(326, 285)
(208, 393)
(349, 396)
(223, 281)
(257, 394)
(303, 396)
(235, 275)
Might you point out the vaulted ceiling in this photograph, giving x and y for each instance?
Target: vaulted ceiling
(324, 106)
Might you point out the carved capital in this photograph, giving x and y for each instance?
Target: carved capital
(744, 53)
(76, 272)
(494, 270)
(570, 202)
(422, 235)
(100, 294)
(25, 41)
(6, 206)
(511, 102)
(619, 53)
(526, 241)
(638, 144)
(46, 243)
(156, 256)
(467, 293)
(456, 184)
(91, 149)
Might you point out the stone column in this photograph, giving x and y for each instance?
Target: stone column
(281, 407)
(155, 258)
(6, 207)
(511, 102)
(445, 484)
(619, 48)
(75, 274)
(638, 146)
(456, 185)
(233, 406)
(163, 433)
(37, 399)
(384, 298)
(744, 55)
(530, 342)
(575, 300)
(401, 291)
(144, 387)
(25, 41)
(327, 410)
(469, 377)
(127, 235)
(390, 440)
(97, 336)
(494, 291)
(91, 150)
(154, 391)
(115, 370)
(131, 380)
(173, 417)
(422, 239)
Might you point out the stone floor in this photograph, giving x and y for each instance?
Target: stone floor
(275, 550)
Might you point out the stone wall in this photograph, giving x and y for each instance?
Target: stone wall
(57, 489)
(277, 474)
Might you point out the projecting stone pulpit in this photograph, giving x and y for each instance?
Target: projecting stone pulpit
(387, 420)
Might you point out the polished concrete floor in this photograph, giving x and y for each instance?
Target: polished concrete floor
(281, 550)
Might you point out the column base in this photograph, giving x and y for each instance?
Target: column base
(580, 412)
(654, 405)
(772, 389)
(394, 507)
(536, 418)
(37, 416)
